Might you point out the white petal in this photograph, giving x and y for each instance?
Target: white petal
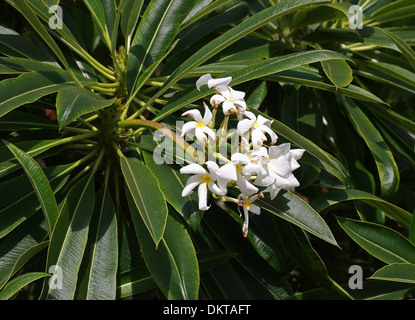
(257, 138)
(194, 113)
(200, 135)
(244, 125)
(208, 115)
(297, 153)
(203, 80)
(227, 106)
(215, 189)
(274, 191)
(250, 115)
(212, 167)
(255, 209)
(241, 104)
(252, 168)
(202, 194)
(222, 183)
(193, 168)
(216, 99)
(277, 151)
(245, 186)
(264, 180)
(224, 91)
(280, 166)
(271, 133)
(191, 183)
(236, 95)
(246, 223)
(220, 81)
(262, 120)
(239, 158)
(210, 132)
(294, 164)
(227, 172)
(188, 126)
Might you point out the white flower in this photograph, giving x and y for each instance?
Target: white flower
(211, 83)
(278, 167)
(205, 180)
(232, 100)
(257, 125)
(235, 170)
(200, 124)
(248, 206)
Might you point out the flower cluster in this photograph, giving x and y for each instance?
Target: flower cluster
(254, 166)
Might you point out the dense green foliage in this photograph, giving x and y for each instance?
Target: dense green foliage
(85, 86)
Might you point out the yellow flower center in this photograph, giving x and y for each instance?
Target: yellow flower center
(200, 124)
(206, 179)
(247, 204)
(238, 168)
(256, 124)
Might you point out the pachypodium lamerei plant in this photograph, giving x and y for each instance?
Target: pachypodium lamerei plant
(253, 166)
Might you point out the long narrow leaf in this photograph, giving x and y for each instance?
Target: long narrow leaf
(380, 241)
(244, 28)
(40, 184)
(173, 263)
(15, 285)
(69, 239)
(155, 33)
(147, 196)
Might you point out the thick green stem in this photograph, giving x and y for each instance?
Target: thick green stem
(139, 123)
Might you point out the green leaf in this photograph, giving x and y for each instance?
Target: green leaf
(17, 120)
(40, 184)
(369, 38)
(382, 242)
(129, 19)
(31, 86)
(338, 71)
(406, 50)
(394, 212)
(134, 282)
(301, 251)
(171, 184)
(412, 229)
(19, 198)
(33, 148)
(173, 263)
(16, 256)
(242, 278)
(69, 239)
(226, 39)
(155, 33)
(101, 253)
(73, 102)
(319, 14)
(251, 72)
(21, 65)
(15, 285)
(293, 209)
(385, 162)
(399, 272)
(147, 196)
(372, 290)
(303, 75)
(31, 17)
(392, 12)
(16, 45)
(100, 11)
(139, 279)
